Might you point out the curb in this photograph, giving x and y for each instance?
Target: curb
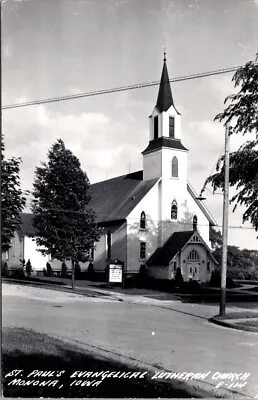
(227, 324)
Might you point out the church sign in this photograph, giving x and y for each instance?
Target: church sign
(115, 273)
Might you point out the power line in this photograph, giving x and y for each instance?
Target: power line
(118, 89)
(119, 217)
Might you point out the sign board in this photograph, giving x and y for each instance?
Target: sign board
(115, 273)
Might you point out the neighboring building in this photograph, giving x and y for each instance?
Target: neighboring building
(153, 217)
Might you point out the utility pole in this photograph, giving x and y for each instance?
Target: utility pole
(225, 226)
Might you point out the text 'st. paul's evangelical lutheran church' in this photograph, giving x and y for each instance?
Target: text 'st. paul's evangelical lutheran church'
(152, 218)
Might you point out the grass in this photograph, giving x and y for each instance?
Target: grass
(28, 350)
(251, 322)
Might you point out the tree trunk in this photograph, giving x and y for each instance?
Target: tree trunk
(73, 274)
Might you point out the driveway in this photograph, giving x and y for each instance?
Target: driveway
(173, 336)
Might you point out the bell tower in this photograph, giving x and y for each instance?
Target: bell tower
(165, 156)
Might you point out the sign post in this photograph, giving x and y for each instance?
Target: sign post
(115, 272)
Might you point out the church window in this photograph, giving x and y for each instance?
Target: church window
(175, 265)
(208, 266)
(7, 255)
(143, 220)
(142, 250)
(174, 167)
(171, 127)
(174, 210)
(156, 127)
(195, 221)
(193, 256)
(108, 244)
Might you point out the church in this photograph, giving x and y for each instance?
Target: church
(151, 218)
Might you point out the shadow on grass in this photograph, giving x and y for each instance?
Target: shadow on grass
(28, 351)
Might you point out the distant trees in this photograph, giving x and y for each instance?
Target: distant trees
(65, 224)
(242, 116)
(241, 264)
(12, 199)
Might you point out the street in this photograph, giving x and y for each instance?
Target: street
(173, 336)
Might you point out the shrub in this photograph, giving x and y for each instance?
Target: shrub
(4, 268)
(44, 272)
(77, 270)
(193, 287)
(91, 271)
(64, 270)
(18, 274)
(49, 269)
(178, 277)
(28, 268)
(230, 283)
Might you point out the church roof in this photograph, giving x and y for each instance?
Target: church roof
(164, 142)
(27, 227)
(165, 98)
(163, 255)
(115, 198)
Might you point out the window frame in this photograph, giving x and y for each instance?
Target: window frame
(142, 250)
(174, 209)
(109, 244)
(174, 167)
(156, 127)
(171, 127)
(195, 222)
(143, 220)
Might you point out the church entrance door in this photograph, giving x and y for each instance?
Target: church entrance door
(193, 271)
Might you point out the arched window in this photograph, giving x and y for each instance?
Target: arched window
(174, 167)
(174, 210)
(108, 244)
(195, 221)
(143, 220)
(193, 256)
(156, 127)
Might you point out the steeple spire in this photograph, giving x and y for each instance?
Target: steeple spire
(165, 98)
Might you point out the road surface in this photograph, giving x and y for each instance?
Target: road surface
(177, 339)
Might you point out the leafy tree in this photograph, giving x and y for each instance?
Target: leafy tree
(13, 200)
(65, 224)
(241, 114)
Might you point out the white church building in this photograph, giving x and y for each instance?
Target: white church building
(152, 217)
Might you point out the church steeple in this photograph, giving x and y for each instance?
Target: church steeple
(165, 98)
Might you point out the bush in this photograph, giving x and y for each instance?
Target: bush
(44, 272)
(49, 269)
(4, 268)
(193, 287)
(91, 271)
(77, 270)
(18, 274)
(179, 278)
(28, 268)
(64, 270)
(216, 280)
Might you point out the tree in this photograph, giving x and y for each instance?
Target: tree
(65, 224)
(241, 114)
(13, 200)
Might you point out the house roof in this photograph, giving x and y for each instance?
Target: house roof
(115, 198)
(27, 227)
(165, 98)
(164, 142)
(163, 255)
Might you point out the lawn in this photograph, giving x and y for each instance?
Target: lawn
(27, 350)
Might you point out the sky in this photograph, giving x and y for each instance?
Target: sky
(52, 48)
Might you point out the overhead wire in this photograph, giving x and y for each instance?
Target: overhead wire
(118, 89)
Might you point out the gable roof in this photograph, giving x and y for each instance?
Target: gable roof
(163, 255)
(115, 198)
